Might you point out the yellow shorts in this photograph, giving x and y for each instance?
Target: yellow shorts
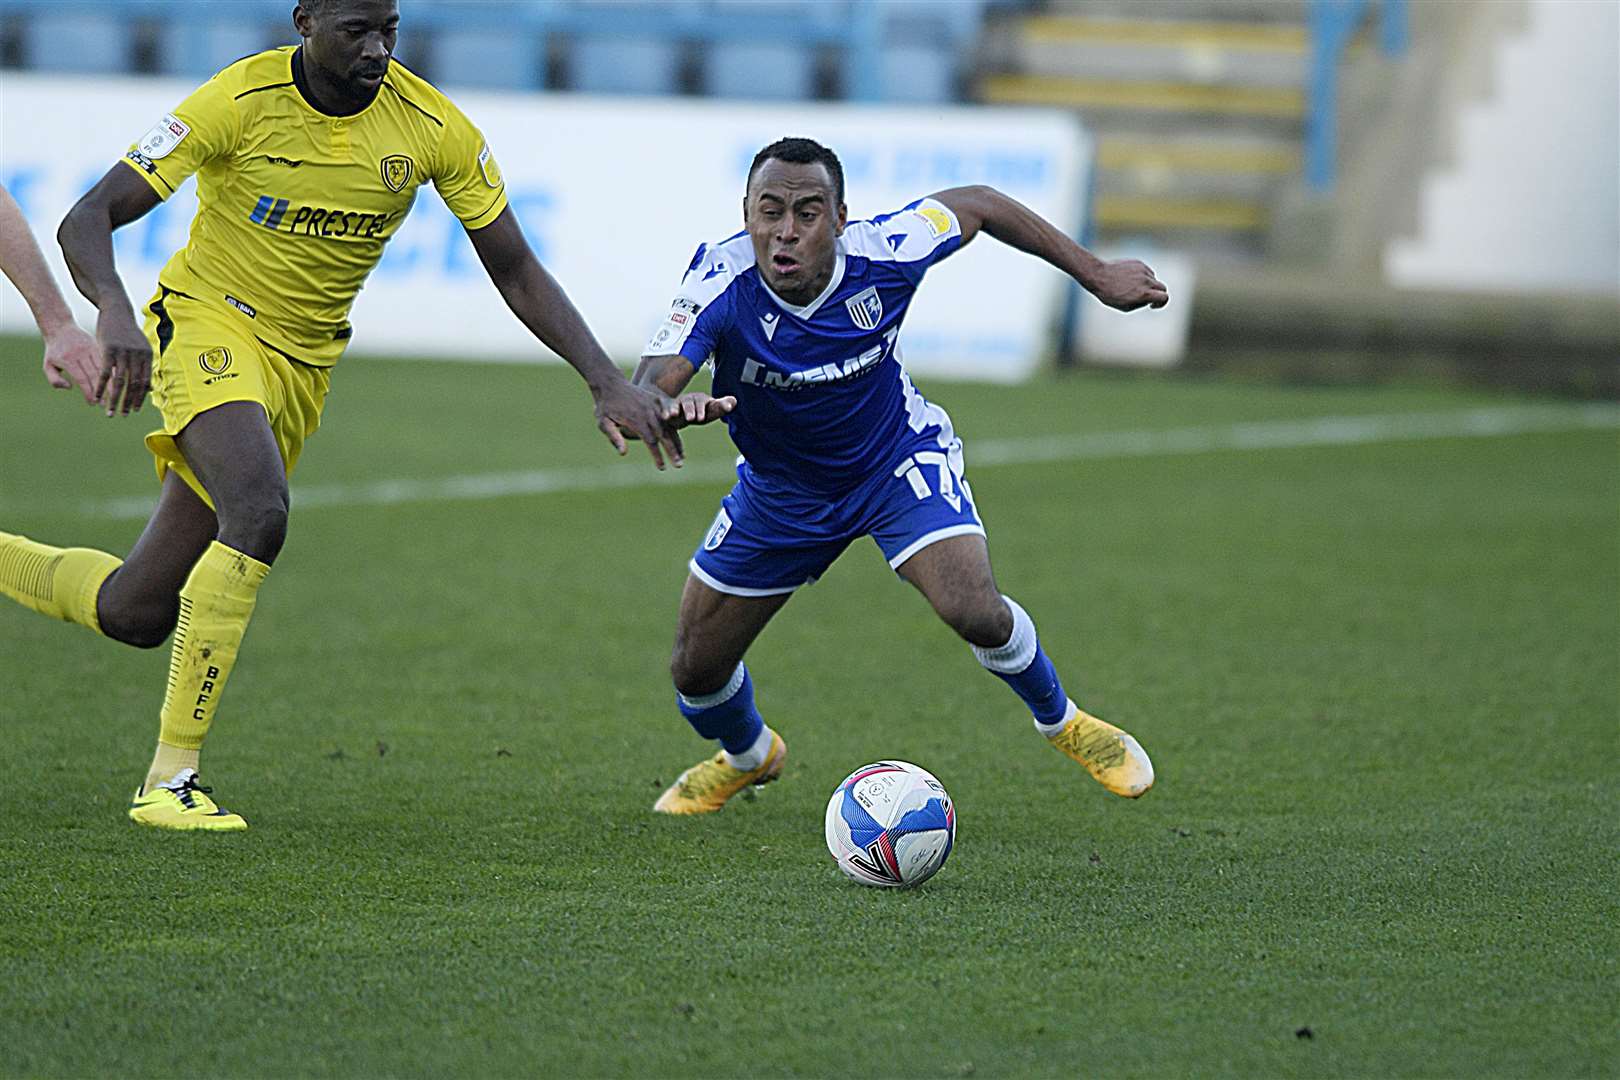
(206, 355)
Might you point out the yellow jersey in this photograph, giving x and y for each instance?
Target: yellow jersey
(294, 205)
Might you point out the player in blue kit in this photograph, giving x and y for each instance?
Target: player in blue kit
(801, 315)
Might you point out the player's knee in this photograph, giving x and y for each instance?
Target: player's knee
(144, 626)
(255, 524)
(984, 621)
(695, 675)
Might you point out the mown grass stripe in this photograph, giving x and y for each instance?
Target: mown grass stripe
(1034, 450)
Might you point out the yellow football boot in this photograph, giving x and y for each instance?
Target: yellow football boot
(705, 787)
(1112, 757)
(182, 803)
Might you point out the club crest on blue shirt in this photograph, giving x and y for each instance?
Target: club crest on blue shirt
(866, 308)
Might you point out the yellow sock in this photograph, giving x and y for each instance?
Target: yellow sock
(168, 761)
(59, 582)
(215, 605)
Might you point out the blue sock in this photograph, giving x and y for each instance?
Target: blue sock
(1023, 665)
(728, 714)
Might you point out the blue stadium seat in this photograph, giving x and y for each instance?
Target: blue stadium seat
(491, 59)
(760, 71)
(604, 64)
(918, 74)
(198, 49)
(98, 44)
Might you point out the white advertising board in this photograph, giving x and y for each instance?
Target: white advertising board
(615, 195)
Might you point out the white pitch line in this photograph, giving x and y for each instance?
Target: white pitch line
(1032, 450)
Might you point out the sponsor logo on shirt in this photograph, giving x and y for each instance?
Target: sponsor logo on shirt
(281, 216)
(142, 160)
(757, 374)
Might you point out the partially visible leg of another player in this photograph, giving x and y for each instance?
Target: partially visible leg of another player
(954, 574)
(716, 695)
(192, 570)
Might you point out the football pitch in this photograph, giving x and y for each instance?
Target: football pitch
(1371, 638)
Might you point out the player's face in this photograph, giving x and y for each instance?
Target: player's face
(350, 42)
(794, 217)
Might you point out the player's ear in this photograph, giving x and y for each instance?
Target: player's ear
(843, 218)
(302, 21)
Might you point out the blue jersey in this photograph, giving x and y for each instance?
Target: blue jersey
(823, 400)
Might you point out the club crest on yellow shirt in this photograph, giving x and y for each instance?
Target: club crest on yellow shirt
(215, 361)
(396, 171)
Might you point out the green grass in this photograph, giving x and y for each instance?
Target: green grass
(1379, 684)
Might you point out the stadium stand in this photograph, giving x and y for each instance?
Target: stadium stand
(1207, 112)
(917, 51)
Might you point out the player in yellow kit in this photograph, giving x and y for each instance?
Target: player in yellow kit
(307, 160)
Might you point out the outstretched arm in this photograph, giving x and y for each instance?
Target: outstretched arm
(541, 305)
(85, 234)
(70, 353)
(670, 374)
(1126, 284)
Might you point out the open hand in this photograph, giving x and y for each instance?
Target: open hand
(697, 407)
(126, 362)
(645, 414)
(73, 360)
(1127, 284)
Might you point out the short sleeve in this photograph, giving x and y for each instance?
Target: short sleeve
(697, 316)
(466, 175)
(691, 329)
(202, 127)
(913, 238)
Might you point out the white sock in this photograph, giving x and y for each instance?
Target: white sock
(753, 757)
(1049, 730)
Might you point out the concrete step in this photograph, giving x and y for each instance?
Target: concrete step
(1153, 213)
(1129, 95)
(1257, 188)
(1208, 65)
(1199, 154)
(1155, 49)
(1280, 12)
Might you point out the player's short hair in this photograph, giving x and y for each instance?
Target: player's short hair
(796, 151)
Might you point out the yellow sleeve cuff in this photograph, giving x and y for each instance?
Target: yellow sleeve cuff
(487, 215)
(154, 178)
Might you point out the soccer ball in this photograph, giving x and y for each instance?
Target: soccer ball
(890, 824)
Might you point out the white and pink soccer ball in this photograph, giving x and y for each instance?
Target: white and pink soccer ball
(890, 824)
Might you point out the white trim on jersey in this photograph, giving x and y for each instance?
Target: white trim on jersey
(815, 305)
(906, 236)
(703, 284)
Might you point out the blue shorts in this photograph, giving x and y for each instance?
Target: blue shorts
(769, 538)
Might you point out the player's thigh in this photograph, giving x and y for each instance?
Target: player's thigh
(209, 364)
(713, 631)
(766, 543)
(953, 573)
(926, 524)
(233, 452)
(203, 359)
